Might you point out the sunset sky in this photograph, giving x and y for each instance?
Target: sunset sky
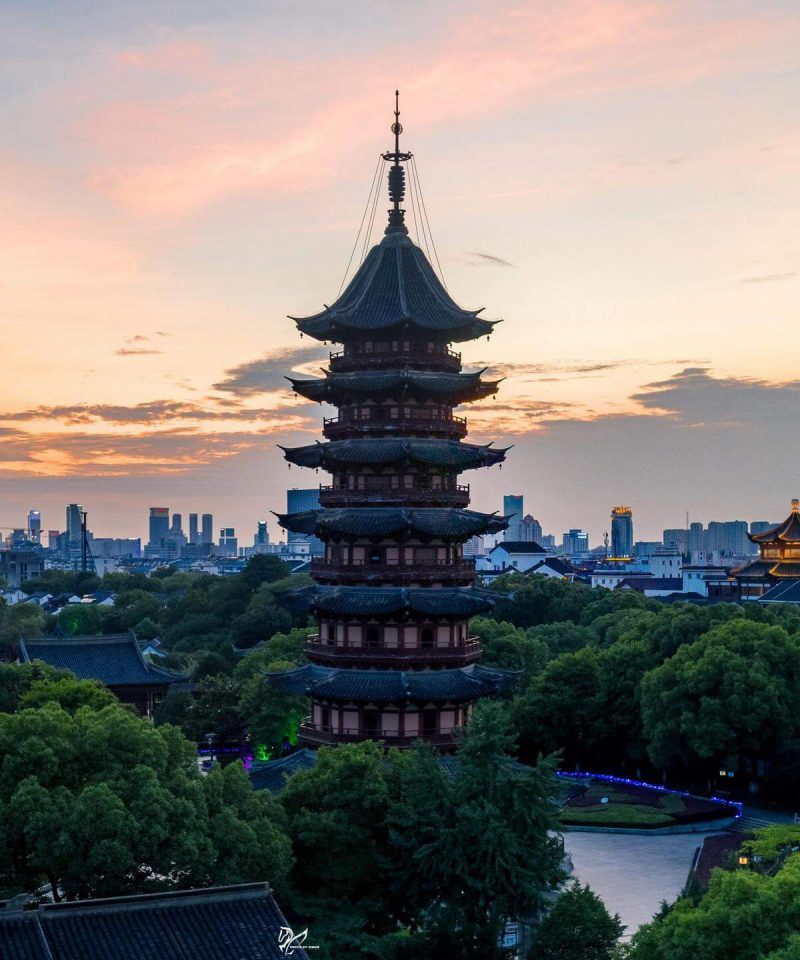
(618, 181)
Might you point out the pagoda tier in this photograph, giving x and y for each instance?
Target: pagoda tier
(393, 658)
(779, 558)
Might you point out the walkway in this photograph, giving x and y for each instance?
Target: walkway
(633, 873)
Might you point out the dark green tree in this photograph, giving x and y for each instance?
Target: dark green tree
(577, 928)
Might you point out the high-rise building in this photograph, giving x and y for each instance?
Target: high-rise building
(575, 542)
(193, 537)
(301, 501)
(35, 525)
(761, 526)
(228, 545)
(696, 542)
(261, 537)
(74, 523)
(52, 539)
(207, 529)
(621, 533)
(530, 530)
(512, 511)
(159, 525)
(676, 538)
(177, 524)
(393, 593)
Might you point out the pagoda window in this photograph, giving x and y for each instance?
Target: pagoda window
(390, 637)
(771, 553)
(331, 632)
(394, 413)
(354, 635)
(436, 482)
(408, 481)
(376, 555)
(411, 723)
(426, 555)
(426, 637)
(373, 637)
(393, 555)
(443, 636)
(326, 719)
(447, 720)
(391, 723)
(350, 722)
(357, 555)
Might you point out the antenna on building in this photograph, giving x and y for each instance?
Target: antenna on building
(605, 542)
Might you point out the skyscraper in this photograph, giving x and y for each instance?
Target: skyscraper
(261, 537)
(530, 530)
(193, 528)
(177, 524)
(159, 525)
(676, 538)
(575, 542)
(207, 534)
(621, 533)
(299, 501)
(512, 510)
(35, 525)
(74, 522)
(695, 541)
(228, 542)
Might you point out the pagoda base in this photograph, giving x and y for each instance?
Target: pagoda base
(315, 735)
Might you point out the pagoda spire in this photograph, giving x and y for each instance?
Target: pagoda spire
(397, 175)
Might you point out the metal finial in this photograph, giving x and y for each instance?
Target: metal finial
(397, 174)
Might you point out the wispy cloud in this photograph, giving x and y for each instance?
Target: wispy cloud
(478, 259)
(770, 277)
(268, 372)
(136, 352)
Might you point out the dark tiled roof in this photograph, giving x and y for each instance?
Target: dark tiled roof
(789, 530)
(419, 686)
(518, 546)
(424, 384)
(272, 774)
(380, 451)
(113, 660)
(557, 564)
(387, 521)
(376, 601)
(395, 287)
(21, 937)
(787, 591)
(223, 923)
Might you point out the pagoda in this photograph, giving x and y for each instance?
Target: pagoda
(393, 659)
(778, 562)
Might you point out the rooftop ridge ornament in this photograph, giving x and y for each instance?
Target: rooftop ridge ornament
(397, 175)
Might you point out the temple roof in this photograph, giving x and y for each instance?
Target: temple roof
(386, 521)
(394, 288)
(116, 661)
(239, 921)
(272, 774)
(422, 384)
(789, 530)
(378, 601)
(420, 686)
(381, 451)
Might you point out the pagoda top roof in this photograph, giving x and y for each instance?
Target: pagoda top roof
(420, 383)
(385, 601)
(380, 451)
(788, 531)
(420, 686)
(388, 521)
(395, 288)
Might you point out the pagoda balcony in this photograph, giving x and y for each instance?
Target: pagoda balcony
(343, 361)
(448, 571)
(393, 657)
(314, 734)
(336, 428)
(457, 496)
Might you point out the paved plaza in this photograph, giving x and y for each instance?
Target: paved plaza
(633, 873)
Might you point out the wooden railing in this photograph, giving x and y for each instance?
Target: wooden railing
(470, 650)
(461, 570)
(316, 733)
(455, 496)
(337, 426)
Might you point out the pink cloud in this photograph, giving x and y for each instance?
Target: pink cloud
(262, 126)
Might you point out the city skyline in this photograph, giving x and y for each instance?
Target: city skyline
(616, 181)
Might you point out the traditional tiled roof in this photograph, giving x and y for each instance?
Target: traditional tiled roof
(787, 591)
(789, 530)
(389, 521)
(381, 451)
(556, 564)
(272, 774)
(395, 288)
(455, 388)
(766, 568)
(383, 601)
(518, 546)
(226, 923)
(460, 685)
(114, 660)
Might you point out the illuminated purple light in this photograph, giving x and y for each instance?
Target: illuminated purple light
(649, 786)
